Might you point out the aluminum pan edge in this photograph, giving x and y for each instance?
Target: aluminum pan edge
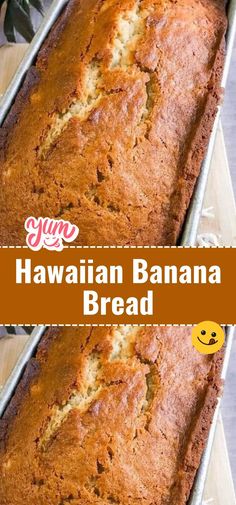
(189, 234)
(8, 389)
(200, 479)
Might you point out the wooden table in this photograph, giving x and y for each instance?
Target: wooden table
(219, 195)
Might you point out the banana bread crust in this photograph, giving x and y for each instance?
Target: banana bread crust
(111, 127)
(122, 417)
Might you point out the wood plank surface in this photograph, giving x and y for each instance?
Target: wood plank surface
(10, 57)
(220, 197)
(229, 117)
(219, 489)
(10, 349)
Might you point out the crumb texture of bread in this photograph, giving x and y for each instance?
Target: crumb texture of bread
(111, 126)
(108, 416)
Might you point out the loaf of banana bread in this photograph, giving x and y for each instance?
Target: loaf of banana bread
(108, 416)
(111, 125)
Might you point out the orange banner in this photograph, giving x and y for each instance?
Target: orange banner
(117, 286)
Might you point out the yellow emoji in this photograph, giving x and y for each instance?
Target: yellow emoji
(208, 337)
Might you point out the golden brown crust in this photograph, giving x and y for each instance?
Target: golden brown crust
(109, 416)
(112, 129)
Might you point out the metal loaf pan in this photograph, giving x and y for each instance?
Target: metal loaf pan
(189, 232)
(30, 350)
(199, 483)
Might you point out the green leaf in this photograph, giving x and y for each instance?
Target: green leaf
(38, 5)
(21, 19)
(24, 4)
(18, 18)
(9, 27)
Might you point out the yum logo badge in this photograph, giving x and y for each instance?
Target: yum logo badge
(50, 234)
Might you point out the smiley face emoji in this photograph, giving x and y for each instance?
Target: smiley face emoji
(208, 337)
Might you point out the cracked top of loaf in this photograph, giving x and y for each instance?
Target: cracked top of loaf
(108, 416)
(112, 123)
